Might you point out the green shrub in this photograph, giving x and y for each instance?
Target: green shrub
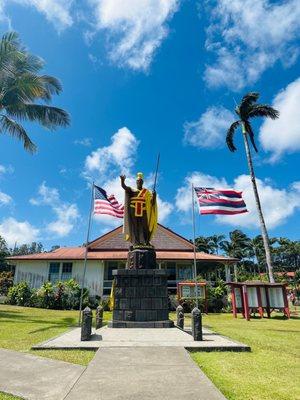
(217, 297)
(45, 296)
(188, 303)
(20, 295)
(6, 282)
(60, 296)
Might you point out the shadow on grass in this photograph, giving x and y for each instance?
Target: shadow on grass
(16, 317)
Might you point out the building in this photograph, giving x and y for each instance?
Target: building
(109, 252)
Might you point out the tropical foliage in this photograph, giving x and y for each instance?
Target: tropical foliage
(24, 249)
(246, 110)
(60, 296)
(251, 253)
(24, 92)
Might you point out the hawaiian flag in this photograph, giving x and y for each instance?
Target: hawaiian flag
(104, 204)
(220, 201)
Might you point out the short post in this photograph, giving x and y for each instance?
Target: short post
(180, 317)
(99, 317)
(197, 324)
(86, 324)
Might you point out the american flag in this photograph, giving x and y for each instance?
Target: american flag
(220, 201)
(104, 204)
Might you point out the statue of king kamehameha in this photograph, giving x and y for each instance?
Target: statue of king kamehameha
(140, 213)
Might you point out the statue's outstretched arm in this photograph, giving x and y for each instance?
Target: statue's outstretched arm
(127, 188)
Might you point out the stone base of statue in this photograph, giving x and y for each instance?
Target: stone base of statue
(141, 258)
(141, 299)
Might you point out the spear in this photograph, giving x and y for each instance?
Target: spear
(154, 187)
(156, 172)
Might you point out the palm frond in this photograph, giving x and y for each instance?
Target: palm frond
(24, 88)
(49, 117)
(51, 85)
(250, 132)
(246, 103)
(263, 110)
(14, 129)
(230, 134)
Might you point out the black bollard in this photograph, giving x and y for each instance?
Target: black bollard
(99, 317)
(197, 324)
(180, 317)
(86, 324)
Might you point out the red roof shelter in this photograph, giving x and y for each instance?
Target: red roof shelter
(251, 297)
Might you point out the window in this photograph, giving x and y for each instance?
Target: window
(60, 271)
(170, 266)
(184, 272)
(66, 271)
(108, 276)
(54, 272)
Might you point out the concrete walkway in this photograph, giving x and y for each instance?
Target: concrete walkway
(141, 337)
(36, 378)
(143, 373)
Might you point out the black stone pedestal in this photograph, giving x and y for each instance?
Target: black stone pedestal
(141, 299)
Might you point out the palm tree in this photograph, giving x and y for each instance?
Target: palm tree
(249, 108)
(203, 244)
(237, 246)
(216, 241)
(21, 88)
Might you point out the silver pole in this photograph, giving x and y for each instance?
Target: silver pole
(194, 241)
(85, 254)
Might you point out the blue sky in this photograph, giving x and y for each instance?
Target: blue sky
(148, 76)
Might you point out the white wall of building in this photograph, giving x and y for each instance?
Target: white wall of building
(36, 272)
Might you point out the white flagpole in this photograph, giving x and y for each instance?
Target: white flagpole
(85, 253)
(194, 240)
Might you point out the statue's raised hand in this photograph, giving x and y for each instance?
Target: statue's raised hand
(122, 177)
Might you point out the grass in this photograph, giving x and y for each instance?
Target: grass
(6, 396)
(23, 327)
(269, 372)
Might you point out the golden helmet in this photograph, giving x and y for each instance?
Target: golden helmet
(139, 175)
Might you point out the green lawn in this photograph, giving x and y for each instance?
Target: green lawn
(22, 327)
(269, 372)
(6, 396)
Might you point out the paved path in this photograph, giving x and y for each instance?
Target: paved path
(143, 373)
(36, 378)
(141, 337)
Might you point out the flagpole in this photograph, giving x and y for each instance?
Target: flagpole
(194, 241)
(85, 254)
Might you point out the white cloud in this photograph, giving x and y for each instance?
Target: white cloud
(105, 164)
(119, 155)
(277, 204)
(47, 195)
(6, 170)
(183, 197)
(210, 129)
(283, 134)
(4, 199)
(67, 214)
(19, 232)
(135, 28)
(58, 12)
(249, 36)
(86, 142)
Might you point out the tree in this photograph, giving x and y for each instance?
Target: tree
(204, 244)
(249, 108)
(215, 242)
(237, 246)
(22, 88)
(26, 249)
(4, 252)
